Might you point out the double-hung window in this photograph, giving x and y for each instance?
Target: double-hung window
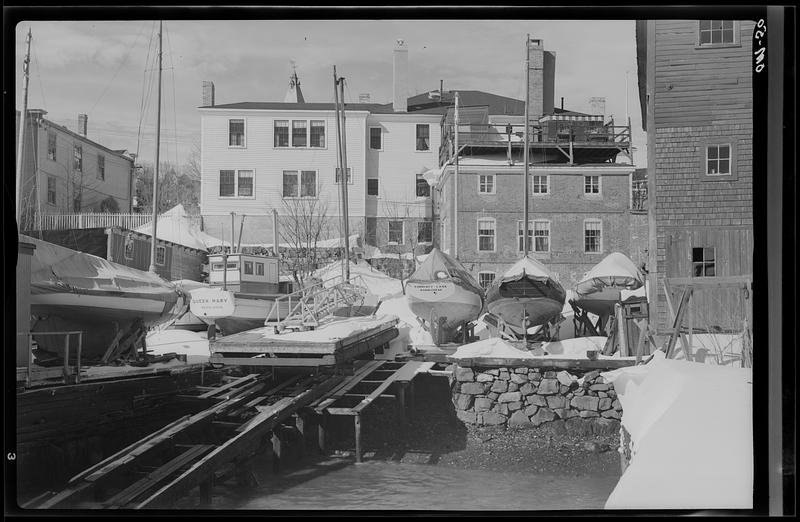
(592, 235)
(372, 186)
(521, 233)
(51, 190)
(375, 142)
(299, 183)
(338, 177)
(540, 184)
(423, 137)
(299, 137)
(281, 132)
(486, 234)
(423, 188)
(236, 133)
(234, 183)
(485, 279)
(77, 158)
(486, 184)
(591, 185)
(317, 133)
(51, 146)
(425, 232)
(541, 236)
(101, 167)
(396, 232)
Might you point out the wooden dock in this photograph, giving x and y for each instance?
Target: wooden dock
(336, 341)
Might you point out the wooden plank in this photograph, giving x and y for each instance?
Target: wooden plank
(673, 338)
(491, 362)
(244, 443)
(282, 362)
(349, 383)
(232, 384)
(744, 281)
(407, 373)
(340, 411)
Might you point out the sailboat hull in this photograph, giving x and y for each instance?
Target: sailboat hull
(600, 302)
(250, 311)
(540, 299)
(447, 300)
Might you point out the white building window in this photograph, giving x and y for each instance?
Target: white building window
(485, 279)
(234, 183)
(236, 133)
(281, 132)
(317, 134)
(425, 232)
(372, 186)
(423, 137)
(540, 184)
(396, 233)
(299, 133)
(375, 141)
(486, 184)
(718, 160)
(51, 146)
(716, 32)
(486, 234)
(299, 184)
(339, 176)
(423, 189)
(77, 158)
(593, 235)
(591, 185)
(101, 167)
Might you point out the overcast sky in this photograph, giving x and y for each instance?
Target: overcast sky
(102, 68)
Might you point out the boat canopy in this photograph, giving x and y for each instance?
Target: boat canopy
(438, 266)
(616, 270)
(71, 270)
(530, 267)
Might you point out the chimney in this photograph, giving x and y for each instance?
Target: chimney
(562, 103)
(208, 94)
(82, 120)
(400, 70)
(542, 70)
(597, 105)
(364, 97)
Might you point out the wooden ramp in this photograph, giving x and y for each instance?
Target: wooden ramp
(167, 464)
(335, 341)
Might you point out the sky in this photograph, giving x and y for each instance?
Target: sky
(107, 69)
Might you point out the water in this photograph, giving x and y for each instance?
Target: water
(381, 485)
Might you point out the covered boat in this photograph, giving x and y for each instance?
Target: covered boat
(600, 289)
(74, 291)
(526, 290)
(443, 295)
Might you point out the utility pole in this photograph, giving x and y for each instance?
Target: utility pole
(155, 171)
(338, 85)
(23, 118)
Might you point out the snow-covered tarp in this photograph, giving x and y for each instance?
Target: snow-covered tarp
(532, 268)
(615, 270)
(175, 225)
(493, 347)
(332, 330)
(691, 429)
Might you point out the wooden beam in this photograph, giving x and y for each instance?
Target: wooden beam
(673, 338)
(713, 282)
(544, 362)
(357, 426)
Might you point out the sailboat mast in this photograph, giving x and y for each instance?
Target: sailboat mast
(155, 171)
(455, 181)
(342, 160)
(527, 141)
(23, 118)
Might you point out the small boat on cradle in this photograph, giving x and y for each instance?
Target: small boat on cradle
(241, 292)
(443, 295)
(526, 290)
(600, 289)
(74, 291)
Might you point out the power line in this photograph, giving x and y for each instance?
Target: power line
(39, 74)
(124, 60)
(144, 89)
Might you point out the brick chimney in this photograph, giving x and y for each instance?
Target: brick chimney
(542, 69)
(400, 71)
(82, 121)
(597, 105)
(208, 94)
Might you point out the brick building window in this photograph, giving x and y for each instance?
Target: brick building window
(423, 189)
(423, 137)
(51, 190)
(236, 133)
(591, 185)
(372, 186)
(485, 279)
(302, 184)
(375, 142)
(592, 235)
(521, 232)
(101, 167)
(541, 184)
(425, 232)
(281, 132)
(703, 262)
(51, 146)
(718, 160)
(716, 32)
(77, 158)
(299, 133)
(318, 133)
(541, 236)
(486, 234)
(486, 184)
(396, 232)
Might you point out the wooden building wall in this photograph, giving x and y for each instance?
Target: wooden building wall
(23, 287)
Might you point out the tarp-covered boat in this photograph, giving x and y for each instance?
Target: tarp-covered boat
(74, 291)
(600, 289)
(529, 290)
(443, 295)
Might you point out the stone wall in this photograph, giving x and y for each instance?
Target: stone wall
(575, 401)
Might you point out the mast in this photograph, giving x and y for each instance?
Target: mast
(455, 183)
(527, 138)
(155, 171)
(23, 119)
(338, 83)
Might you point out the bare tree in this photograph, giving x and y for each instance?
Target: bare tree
(304, 223)
(404, 212)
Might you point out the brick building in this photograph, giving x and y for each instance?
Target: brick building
(695, 89)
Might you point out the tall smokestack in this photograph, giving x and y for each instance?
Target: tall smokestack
(208, 94)
(400, 70)
(82, 121)
(542, 70)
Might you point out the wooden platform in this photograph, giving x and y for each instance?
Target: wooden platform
(336, 341)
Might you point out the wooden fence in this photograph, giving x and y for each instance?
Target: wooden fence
(91, 220)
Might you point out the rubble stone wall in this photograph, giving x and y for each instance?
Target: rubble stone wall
(576, 402)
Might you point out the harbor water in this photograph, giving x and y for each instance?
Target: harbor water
(382, 485)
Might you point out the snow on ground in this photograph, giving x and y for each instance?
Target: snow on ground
(193, 344)
(691, 430)
(379, 284)
(331, 330)
(714, 349)
(575, 348)
(493, 347)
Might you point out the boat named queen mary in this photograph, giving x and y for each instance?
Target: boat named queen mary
(444, 296)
